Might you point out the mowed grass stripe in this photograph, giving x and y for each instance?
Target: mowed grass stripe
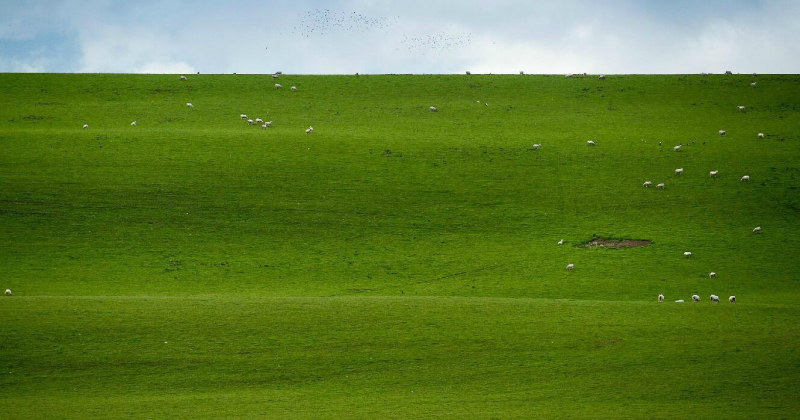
(394, 357)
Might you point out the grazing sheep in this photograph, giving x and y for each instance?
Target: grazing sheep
(468, 73)
(753, 84)
(309, 130)
(687, 254)
(278, 86)
(243, 116)
(264, 126)
(259, 120)
(189, 105)
(561, 242)
(660, 297)
(761, 135)
(746, 178)
(133, 123)
(183, 77)
(740, 107)
(660, 186)
(274, 76)
(433, 109)
(714, 298)
(712, 275)
(602, 77)
(713, 174)
(268, 123)
(293, 88)
(85, 126)
(679, 171)
(590, 143)
(677, 148)
(757, 230)
(568, 75)
(721, 132)
(647, 184)
(732, 299)
(249, 122)
(8, 292)
(536, 146)
(486, 104)
(679, 301)
(570, 266)
(695, 298)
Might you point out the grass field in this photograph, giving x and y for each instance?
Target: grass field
(398, 263)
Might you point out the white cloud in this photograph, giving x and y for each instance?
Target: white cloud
(617, 36)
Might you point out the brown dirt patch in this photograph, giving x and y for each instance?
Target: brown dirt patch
(616, 243)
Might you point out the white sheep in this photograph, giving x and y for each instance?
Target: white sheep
(568, 75)
(660, 297)
(679, 171)
(249, 122)
(713, 174)
(536, 146)
(309, 130)
(189, 105)
(740, 107)
(687, 254)
(721, 132)
(753, 84)
(561, 242)
(264, 126)
(660, 186)
(590, 143)
(268, 123)
(746, 178)
(677, 148)
(695, 298)
(570, 266)
(714, 298)
(732, 299)
(433, 109)
(757, 230)
(602, 77)
(243, 116)
(259, 120)
(761, 135)
(278, 86)
(275, 76)
(712, 275)
(133, 123)
(679, 301)
(183, 77)
(8, 292)
(293, 88)
(647, 184)
(85, 126)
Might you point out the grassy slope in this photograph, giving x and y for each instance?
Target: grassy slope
(317, 273)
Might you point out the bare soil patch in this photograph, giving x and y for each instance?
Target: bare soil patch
(616, 243)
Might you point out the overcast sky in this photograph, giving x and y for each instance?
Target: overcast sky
(409, 36)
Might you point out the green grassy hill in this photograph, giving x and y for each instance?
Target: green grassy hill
(398, 263)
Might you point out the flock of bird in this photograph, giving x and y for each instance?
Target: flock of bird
(437, 42)
(322, 21)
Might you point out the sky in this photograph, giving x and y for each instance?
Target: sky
(408, 36)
